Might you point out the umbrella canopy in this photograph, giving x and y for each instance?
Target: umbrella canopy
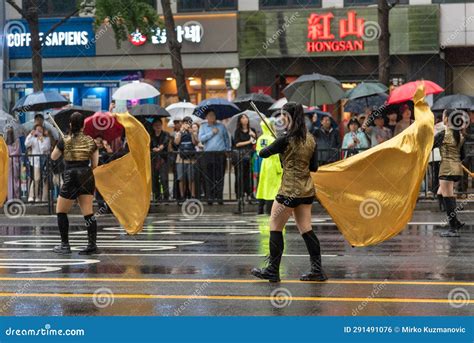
(62, 116)
(221, 107)
(8, 121)
(455, 101)
(149, 110)
(262, 101)
(28, 127)
(254, 120)
(365, 89)
(406, 91)
(40, 101)
(358, 105)
(103, 124)
(280, 103)
(135, 90)
(182, 108)
(314, 89)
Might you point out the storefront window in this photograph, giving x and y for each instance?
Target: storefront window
(290, 3)
(206, 5)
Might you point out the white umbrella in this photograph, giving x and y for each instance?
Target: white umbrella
(194, 118)
(7, 121)
(29, 125)
(182, 109)
(135, 90)
(254, 120)
(279, 104)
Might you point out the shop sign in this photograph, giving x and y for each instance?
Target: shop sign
(73, 38)
(191, 31)
(322, 39)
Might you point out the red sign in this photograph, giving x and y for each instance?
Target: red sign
(322, 39)
(137, 38)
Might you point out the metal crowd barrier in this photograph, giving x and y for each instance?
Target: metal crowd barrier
(211, 177)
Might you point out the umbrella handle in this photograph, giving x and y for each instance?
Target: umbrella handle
(50, 118)
(262, 117)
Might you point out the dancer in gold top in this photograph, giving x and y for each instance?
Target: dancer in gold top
(450, 143)
(296, 195)
(78, 150)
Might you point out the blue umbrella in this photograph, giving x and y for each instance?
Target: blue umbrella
(221, 107)
(359, 105)
(40, 101)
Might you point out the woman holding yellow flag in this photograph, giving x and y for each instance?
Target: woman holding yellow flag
(78, 150)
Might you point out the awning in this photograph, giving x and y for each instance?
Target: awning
(91, 81)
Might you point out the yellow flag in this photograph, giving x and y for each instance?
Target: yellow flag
(125, 183)
(3, 171)
(371, 196)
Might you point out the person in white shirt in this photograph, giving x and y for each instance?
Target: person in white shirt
(39, 142)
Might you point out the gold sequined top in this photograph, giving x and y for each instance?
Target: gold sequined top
(450, 155)
(78, 147)
(298, 159)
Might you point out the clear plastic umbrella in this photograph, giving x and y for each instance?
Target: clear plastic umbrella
(254, 120)
(8, 121)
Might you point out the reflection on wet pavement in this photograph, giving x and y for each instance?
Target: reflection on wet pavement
(177, 266)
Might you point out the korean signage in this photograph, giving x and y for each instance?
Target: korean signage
(73, 38)
(321, 38)
(337, 31)
(190, 31)
(197, 33)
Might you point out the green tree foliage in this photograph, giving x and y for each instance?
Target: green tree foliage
(125, 16)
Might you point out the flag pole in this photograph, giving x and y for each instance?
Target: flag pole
(51, 119)
(262, 117)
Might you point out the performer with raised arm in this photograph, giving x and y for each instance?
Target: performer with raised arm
(297, 149)
(80, 157)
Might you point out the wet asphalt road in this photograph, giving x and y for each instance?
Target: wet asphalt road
(200, 266)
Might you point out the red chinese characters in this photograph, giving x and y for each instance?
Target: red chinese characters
(322, 39)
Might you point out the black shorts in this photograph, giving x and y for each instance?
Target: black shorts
(293, 202)
(77, 181)
(454, 178)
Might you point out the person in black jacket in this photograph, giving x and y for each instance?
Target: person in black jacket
(328, 140)
(297, 151)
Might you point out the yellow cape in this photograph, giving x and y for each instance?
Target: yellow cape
(125, 183)
(3, 171)
(371, 196)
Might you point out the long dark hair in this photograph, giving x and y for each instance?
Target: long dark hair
(76, 123)
(297, 125)
(239, 123)
(451, 115)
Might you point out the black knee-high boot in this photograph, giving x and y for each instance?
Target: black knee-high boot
(441, 203)
(454, 223)
(272, 271)
(63, 225)
(91, 236)
(314, 249)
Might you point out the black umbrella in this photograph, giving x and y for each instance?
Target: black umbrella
(359, 105)
(262, 101)
(455, 101)
(314, 89)
(149, 110)
(40, 101)
(62, 117)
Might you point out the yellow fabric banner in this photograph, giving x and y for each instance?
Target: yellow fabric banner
(371, 196)
(125, 183)
(3, 171)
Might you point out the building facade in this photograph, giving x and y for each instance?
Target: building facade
(271, 42)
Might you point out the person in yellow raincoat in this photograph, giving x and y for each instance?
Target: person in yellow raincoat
(270, 171)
